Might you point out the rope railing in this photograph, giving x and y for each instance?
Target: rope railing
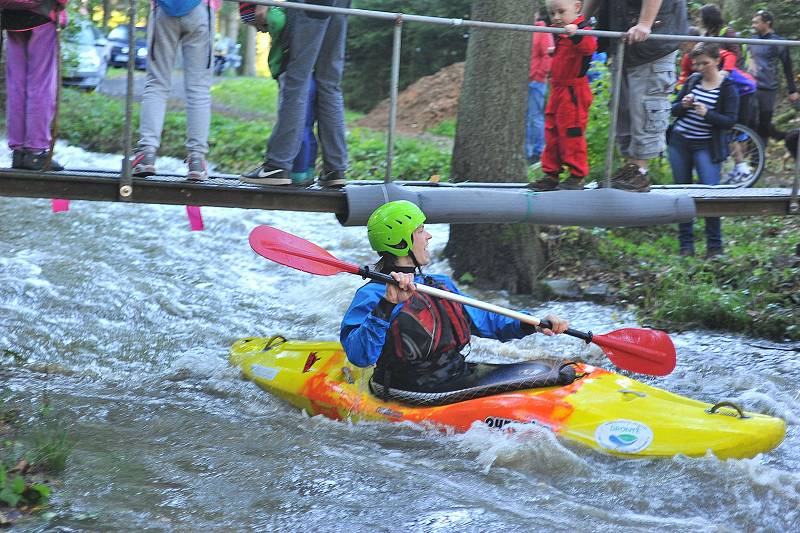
(398, 19)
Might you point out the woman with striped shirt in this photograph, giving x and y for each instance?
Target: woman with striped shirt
(706, 109)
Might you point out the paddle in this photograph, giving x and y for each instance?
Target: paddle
(645, 351)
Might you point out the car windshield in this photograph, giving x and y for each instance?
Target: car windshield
(120, 33)
(84, 35)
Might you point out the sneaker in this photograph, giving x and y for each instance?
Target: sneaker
(572, 183)
(16, 158)
(37, 161)
(266, 174)
(332, 178)
(198, 169)
(143, 163)
(630, 178)
(548, 183)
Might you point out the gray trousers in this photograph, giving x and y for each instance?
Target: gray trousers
(193, 32)
(316, 48)
(644, 108)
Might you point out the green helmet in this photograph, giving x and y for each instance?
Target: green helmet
(390, 227)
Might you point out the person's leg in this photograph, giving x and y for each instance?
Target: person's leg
(303, 164)
(540, 91)
(573, 119)
(195, 40)
(306, 35)
(163, 35)
(40, 88)
(680, 160)
(766, 103)
(650, 87)
(529, 117)
(328, 72)
(16, 82)
(708, 172)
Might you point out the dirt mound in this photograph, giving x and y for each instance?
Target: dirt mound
(424, 104)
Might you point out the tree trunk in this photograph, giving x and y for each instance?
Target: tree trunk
(489, 146)
(249, 51)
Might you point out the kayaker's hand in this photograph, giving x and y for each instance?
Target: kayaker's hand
(560, 325)
(404, 289)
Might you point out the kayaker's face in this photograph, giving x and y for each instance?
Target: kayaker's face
(420, 246)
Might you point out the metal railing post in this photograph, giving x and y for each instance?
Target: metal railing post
(393, 85)
(125, 179)
(794, 207)
(616, 88)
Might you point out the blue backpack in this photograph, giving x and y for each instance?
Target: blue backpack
(745, 83)
(177, 8)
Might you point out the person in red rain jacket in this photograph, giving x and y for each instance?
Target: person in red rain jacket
(570, 97)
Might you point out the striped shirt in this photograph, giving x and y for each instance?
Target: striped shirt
(692, 125)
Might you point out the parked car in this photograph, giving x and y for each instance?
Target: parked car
(84, 56)
(118, 44)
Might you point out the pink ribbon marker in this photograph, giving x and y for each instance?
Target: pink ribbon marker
(59, 205)
(195, 217)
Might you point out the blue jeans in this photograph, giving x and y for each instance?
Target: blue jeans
(534, 123)
(685, 155)
(316, 48)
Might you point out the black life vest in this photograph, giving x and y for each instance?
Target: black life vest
(424, 342)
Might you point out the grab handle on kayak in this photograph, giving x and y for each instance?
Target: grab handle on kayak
(713, 409)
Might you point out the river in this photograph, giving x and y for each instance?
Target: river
(123, 318)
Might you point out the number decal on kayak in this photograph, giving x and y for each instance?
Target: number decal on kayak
(623, 436)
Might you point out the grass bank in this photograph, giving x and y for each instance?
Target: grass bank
(33, 447)
(754, 288)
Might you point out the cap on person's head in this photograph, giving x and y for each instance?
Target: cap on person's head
(391, 226)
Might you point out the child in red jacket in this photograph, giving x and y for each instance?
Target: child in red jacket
(570, 97)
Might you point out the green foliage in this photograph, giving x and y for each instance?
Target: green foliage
(51, 443)
(414, 159)
(243, 96)
(446, 128)
(15, 492)
(753, 288)
(426, 48)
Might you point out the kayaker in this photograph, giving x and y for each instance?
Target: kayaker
(417, 340)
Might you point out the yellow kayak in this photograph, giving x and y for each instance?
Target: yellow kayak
(600, 409)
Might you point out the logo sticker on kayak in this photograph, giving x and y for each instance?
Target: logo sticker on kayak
(312, 358)
(624, 436)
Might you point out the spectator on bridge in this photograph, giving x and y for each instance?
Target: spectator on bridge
(537, 90)
(32, 82)
(570, 97)
(316, 48)
(706, 110)
(190, 25)
(763, 59)
(273, 21)
(714, 26)
(648, 79)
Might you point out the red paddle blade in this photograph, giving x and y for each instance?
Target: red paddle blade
(292, 251)
(645, 351)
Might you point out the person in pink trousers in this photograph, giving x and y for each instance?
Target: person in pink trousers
(31, 82)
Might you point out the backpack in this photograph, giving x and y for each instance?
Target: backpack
(175, 8)
(745, 83)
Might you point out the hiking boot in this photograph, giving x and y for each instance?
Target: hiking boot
(266, 174)
(198, 169)
(332, 178)
(16, 158)
(548, 183)
(572, 183)
(143, 163)
(37, 160)
(630, 178)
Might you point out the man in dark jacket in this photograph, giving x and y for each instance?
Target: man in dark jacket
(648, 79)
(763, 67)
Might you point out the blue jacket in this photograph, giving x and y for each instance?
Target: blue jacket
(363, 334)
